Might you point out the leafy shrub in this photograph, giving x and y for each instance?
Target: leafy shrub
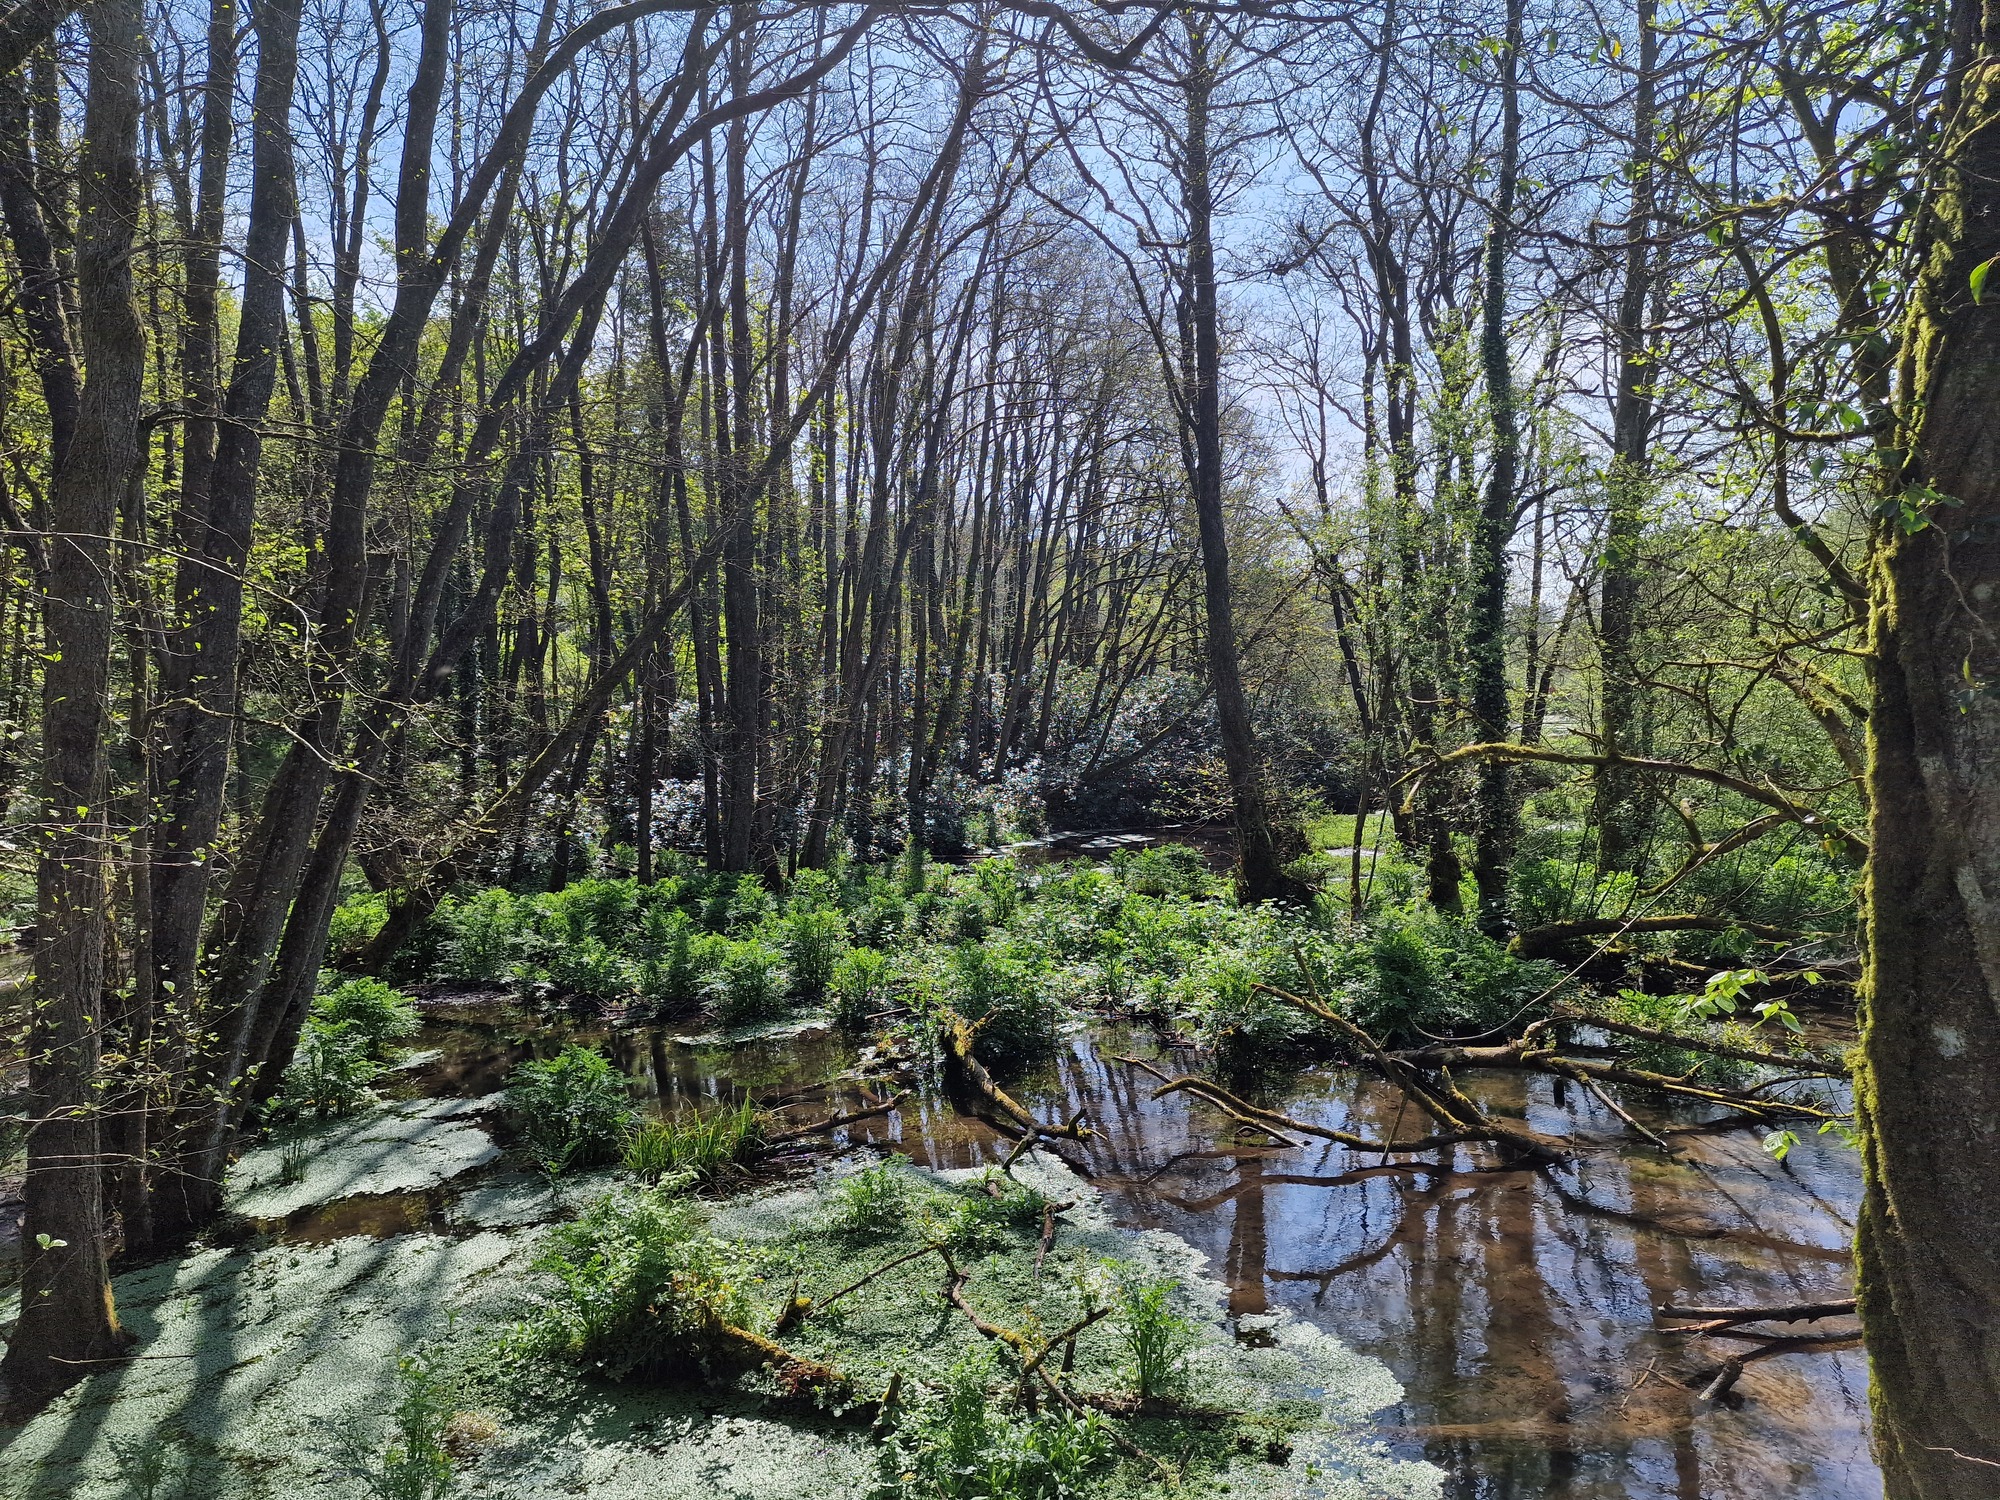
(993, 1204)
(860, 986)
(378, 1013)
(814, 938)
(882, 920)
(415, 1465)
(354, 924)
(873, 1202)
(482, 936)
(966, 918)
(674, 979)
(585, 968)
(701, 1144)
(747, 984)
(330, 1073)
(958, 1444)
(570, 1111)
(1563, 890)
(1157, 1337)
(1000, 881)
(1002, 986)
(1429, 973)
(1164, 870)
(1242, 1026)
(634, 1287)
(746, 905)
(600, 909)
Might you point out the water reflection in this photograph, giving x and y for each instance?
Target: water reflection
(1516, 1308)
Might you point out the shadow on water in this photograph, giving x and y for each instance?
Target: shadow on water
(1516, 1308)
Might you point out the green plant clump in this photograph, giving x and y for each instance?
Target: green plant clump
(379, 1013)
(701, 1145)
(635, 1288)
(330, 1073)
(1158, 1338)
(959, 1445)
(570, 1111)
(748, 983)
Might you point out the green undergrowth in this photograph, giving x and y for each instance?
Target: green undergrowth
(1015, 948)
(637, 1294)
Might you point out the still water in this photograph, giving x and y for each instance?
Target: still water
(1517, 1308)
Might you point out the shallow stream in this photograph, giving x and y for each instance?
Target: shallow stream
(1518, 1309)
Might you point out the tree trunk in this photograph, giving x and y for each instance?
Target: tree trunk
(67, 1319)
(1499, 814)
(1261, 864)
(1928, 1090)
(1619, 811)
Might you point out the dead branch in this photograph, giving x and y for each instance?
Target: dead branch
(834, 1122)
(1715, 1319)
(1731, 1369)
(957, 1037)
(1549, 940)
(1807, 1062)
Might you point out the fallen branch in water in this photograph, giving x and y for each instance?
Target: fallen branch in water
(957, 1037)
(1272, 1122)
(798, 1308)
(835, 1122)
(1714, 1319)
(1441, 1099)
(1803, 1063)
(1731, 1369)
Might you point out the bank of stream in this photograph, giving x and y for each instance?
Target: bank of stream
(1518, 1309)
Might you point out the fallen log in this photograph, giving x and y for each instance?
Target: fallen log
(835, 1121)
(956, 1036)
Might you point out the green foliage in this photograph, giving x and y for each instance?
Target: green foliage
(874, 1202)
(354, 924)
(378, 1013)
(483, 936)
(1163, 870)
(147, 1464)
(860, 986)
(1157, 1337)
(814, 938)
(1001, 882)
(330, 1073)
(1427, 973)
(958, 1445)
(634, 1288)
(994, 1203)
(1243, 1027)
(747, 983)
(570, 1111)
(674, 977)
(701, 1145)
(745, 905)
(883, 919)
(415, 1465)
(1003, 986)
(584, 967)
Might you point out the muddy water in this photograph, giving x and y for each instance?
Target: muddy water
(1516, 1308)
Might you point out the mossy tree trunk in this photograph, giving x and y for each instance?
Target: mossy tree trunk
(1928, 1241)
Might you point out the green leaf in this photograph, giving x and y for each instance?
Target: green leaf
(1978, 278)
(50, 1244)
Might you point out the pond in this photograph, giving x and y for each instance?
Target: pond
(1519, 1309)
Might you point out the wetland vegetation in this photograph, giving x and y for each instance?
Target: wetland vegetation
(1028, 749)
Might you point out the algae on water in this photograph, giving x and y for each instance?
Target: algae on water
(261, 1367)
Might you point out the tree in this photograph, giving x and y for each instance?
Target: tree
(1928, 1240)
